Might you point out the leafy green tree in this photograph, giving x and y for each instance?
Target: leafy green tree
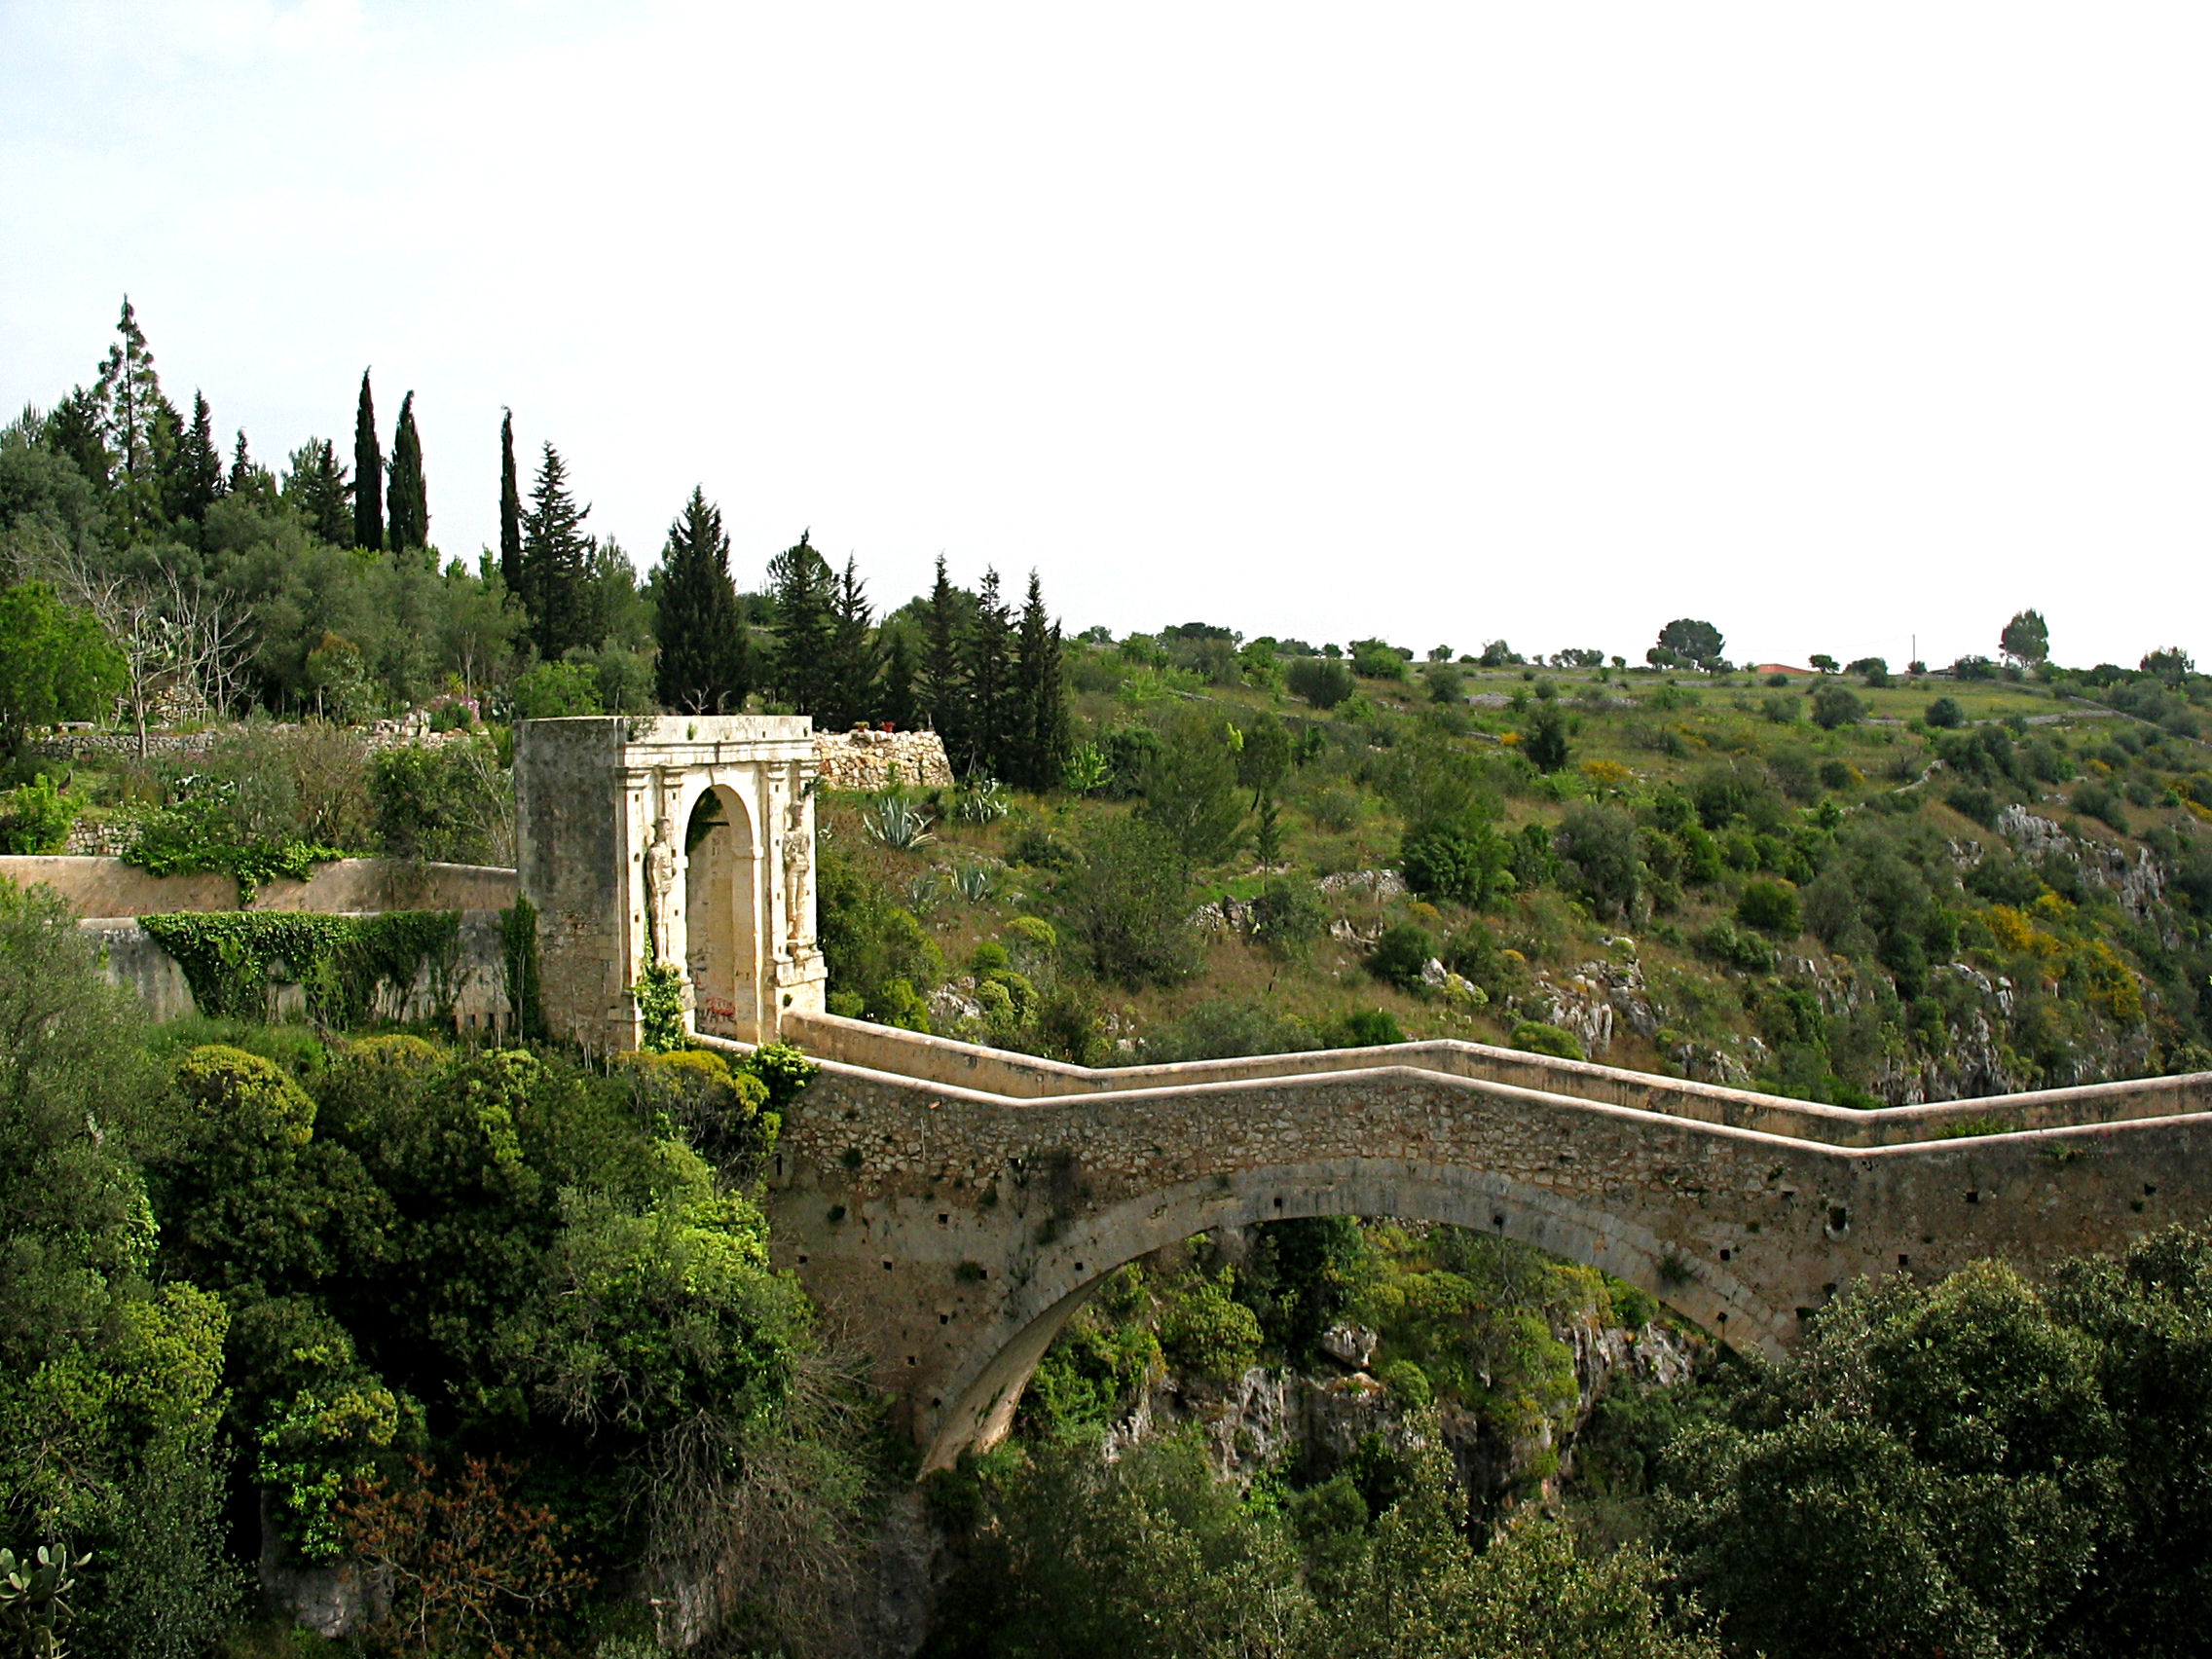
(510, 507)
(2173, 665)
(1598, 844)
(1687, 640)
(408, 499)
(2026, 639)
(1836, 706)
(705, 661)
(556, 561)
(1264, 758)
(1190, 788)
(1930, 1470)
(54, 664)
(368, 473)
(1128, 903)
(109, 1388)
(1945, 712)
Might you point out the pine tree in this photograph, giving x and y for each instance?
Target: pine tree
(73, 429)
(129, 399)
(510, 507)
(898, 702)
(854, 664)
(705, 663)
(942, 691)
(408, 501)
(1040, 747)
(804, 593)
(315, 484)
(249, 478)
(991, 722)
(194, 480)
(556, 561)
(368, 473)
(138, 425)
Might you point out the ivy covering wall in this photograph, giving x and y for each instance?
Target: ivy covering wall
(232, 957)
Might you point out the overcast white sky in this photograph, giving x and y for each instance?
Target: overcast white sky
(1834, 325)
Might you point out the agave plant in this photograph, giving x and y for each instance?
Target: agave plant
(925, 892)
(897, 822)
(979, 802)
(974, 882)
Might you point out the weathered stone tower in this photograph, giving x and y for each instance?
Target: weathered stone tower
(677, 839)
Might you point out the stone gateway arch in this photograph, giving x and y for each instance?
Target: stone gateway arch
(956, 1203)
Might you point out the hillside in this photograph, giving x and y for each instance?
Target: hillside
(1701, 878)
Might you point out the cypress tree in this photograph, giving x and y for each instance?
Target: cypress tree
(194, 481)
(1039, 704)
(409, 500)
(556, 559)
(944, 683)
(852, 659)
(991, 722)
(898, 703)
(368, 473)
(804, 595)
(705, 664)
(510, 507)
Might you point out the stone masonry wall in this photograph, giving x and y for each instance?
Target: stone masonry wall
(866, 759)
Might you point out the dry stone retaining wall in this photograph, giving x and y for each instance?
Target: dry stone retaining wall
(866, 759)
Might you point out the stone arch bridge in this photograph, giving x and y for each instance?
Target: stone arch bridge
(956, 1203)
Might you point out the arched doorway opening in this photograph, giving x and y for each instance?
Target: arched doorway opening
(721, 905)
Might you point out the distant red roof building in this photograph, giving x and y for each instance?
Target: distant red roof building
(1785, 668)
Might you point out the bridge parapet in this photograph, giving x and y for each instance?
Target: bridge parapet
(1027, 1076)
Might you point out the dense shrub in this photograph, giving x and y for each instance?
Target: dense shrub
(1772, 907)
(1400, 954)
(1537, 1038)
(1599, 845)
(1321, 681)
(1944, 713)
(1836, 706)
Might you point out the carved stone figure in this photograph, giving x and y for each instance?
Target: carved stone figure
(660, 880)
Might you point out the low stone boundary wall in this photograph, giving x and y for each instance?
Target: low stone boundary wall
(109, 887)
(864, 759)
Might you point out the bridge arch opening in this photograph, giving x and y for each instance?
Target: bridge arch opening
(721, 915)
(1044, 1290)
